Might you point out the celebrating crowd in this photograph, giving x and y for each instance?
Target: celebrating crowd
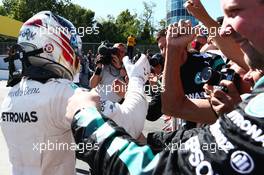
(211, 85)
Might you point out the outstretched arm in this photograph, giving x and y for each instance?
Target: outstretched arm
(174, 101)
(108, 149)
(228, 47)
(131, 114)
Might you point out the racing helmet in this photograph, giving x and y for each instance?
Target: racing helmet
(57, 38)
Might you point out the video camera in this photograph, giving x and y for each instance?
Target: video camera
(156, 59)
(105, 51)
(17, 52)
(213, 78)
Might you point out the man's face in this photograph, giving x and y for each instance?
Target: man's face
(162, 45)
(243, 21)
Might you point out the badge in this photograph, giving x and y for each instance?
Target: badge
(242, 162)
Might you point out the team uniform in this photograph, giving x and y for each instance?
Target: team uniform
(233, 145)
(33, 114)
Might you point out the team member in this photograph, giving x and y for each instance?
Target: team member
(33, 112)
(35, 107)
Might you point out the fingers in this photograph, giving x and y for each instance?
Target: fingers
(183, 27)
(230, 86)
(208, 89)
(188, 4)
(232, 91)
(218, 106)
(224, 102)
(222, 96)
(180, 34)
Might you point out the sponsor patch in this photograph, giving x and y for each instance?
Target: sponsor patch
(221, 140)
(19, 117)
(242, 162)
(49, 48)
(252, 130)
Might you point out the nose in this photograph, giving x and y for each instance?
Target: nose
(226, 29)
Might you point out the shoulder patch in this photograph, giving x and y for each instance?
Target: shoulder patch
(255, 106)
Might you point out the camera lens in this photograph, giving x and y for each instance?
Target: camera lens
(153, 62)
(206, 74)
(210, 76)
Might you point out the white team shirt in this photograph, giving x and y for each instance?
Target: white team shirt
(33, 116)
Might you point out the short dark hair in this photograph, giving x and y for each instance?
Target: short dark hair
(161, 33)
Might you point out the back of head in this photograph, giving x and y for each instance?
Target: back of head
(58, 41)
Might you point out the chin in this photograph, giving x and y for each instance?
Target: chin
(253, 58)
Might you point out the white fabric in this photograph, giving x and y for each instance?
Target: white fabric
(46, 106)
(131, 114)
(104, 88)
(140, 69)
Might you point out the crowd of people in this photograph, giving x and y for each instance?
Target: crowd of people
(208, 86)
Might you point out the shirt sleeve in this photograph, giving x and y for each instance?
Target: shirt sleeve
(113, 151)
(225, 147)
(131, 114)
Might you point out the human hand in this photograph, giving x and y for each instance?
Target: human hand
(179, 35)
(116, 61)
(196, 9)
(223, 102)
(141, 69)
(153, 79)
(82, 99)
(123, 72)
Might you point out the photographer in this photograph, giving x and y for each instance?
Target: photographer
(190, 69)
(155, 87)
(238, 136)
(108, 69)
